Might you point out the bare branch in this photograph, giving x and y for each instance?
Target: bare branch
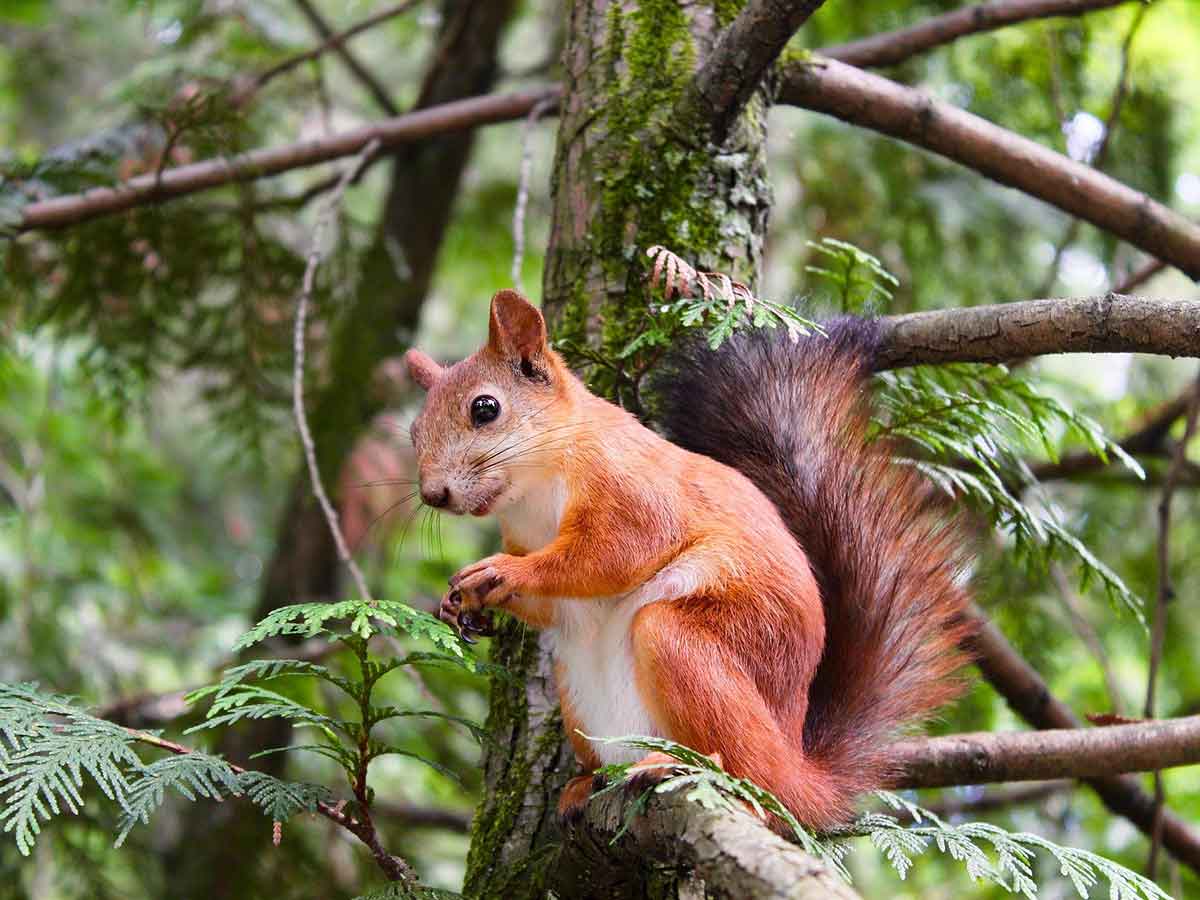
(1026, 692)
(989, 757)
(377, 91)
(1166, 593)
(1146, 438)
(867, 100)
(1139, 276)
(739, 61)
(310, 451)
(1107, 324)
(892, 47)
(446, 118)
(732, 854)
(424, 816)
(333, 41)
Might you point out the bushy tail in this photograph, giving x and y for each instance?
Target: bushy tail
(887, 555)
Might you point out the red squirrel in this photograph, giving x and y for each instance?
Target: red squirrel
(765, 587)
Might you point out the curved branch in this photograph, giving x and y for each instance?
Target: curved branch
(372, 84)
(333, 41)
(892, 47)
(716, 852)
(1111, 323)
(860, 98)
(459, 115)
(990, 757)
(739, 62)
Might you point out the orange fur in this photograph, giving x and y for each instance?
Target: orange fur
(609, 527)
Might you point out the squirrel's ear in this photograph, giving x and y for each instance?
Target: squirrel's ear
(422, 368)
(517, 332)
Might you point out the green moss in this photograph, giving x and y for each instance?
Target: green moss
(488, 873)
(657, 184)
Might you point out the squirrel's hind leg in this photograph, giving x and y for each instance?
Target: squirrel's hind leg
(700, 694)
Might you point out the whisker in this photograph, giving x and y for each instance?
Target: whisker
(367, 532)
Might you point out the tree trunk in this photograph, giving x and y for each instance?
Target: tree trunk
(626, 177)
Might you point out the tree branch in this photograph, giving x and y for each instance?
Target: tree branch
(1147, 438)
(1166, 593)
(377, 91)
(712, 852)
(1026, 692)
(867, 100)
(332, 41)
(739, 62)
(446, 118)
(1106, 324)
(989, 757)
(892, 47)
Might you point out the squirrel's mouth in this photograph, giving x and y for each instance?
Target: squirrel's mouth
(484, 505)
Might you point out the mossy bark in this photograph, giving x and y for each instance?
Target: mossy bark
(627, 176)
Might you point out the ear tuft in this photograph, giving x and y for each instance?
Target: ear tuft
(516, 331)
(422, 368)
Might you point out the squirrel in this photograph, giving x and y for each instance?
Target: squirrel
(765, 587)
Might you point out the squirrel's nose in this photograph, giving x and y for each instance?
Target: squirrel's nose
(435, 495)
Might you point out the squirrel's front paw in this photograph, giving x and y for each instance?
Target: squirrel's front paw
(483, 583)
(472, 590)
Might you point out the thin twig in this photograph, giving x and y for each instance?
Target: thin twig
(331, 42)
(328, 213)
(1087, 633)
(1166, 593)
(361, 72)
(1101, 152)
(523, 186)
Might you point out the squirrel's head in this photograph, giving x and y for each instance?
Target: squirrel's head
(487, 428)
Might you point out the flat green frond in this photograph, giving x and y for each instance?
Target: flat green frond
(48, 749)
(193, 776)
(245, 701)
(280, 800)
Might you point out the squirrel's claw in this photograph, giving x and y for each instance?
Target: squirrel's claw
(469, 623)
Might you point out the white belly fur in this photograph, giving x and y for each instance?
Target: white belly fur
(595, 661)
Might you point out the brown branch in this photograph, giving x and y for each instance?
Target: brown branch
(894, 47)
(991, 757)
(1026, 692)
(446, 118)
(723, 853)
(866, 100)
(1139, 276)
(416, 816)
(1101, 153)
(1106, 324)
(739, 62)
(1166, 593)
(352, 62)
(1146, 439)
(331, 42)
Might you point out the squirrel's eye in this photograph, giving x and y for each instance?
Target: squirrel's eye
(484, 409)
